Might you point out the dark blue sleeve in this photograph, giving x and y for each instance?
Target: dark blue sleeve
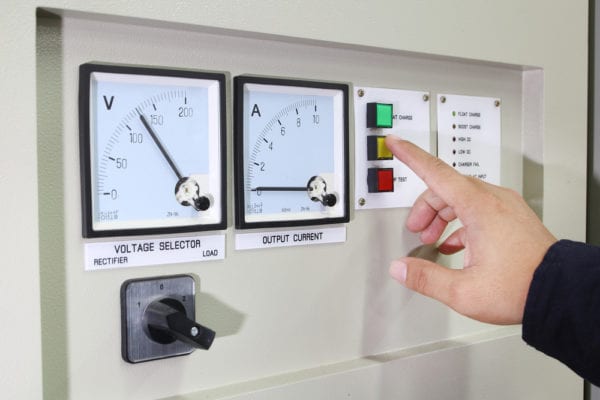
(562, 312)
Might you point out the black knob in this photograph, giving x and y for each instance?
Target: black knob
(202, 203)
(329, 200)
(166, 321)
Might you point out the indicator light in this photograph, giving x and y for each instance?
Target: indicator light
(380, 180)
(379, 115)
(377, 150)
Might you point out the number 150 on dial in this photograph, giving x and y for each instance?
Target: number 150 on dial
(291, 152)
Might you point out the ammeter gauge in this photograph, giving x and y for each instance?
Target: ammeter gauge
(291, 152)
(152, 150)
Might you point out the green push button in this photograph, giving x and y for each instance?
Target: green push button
(379, 115)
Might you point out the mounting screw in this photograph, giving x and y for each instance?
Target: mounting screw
(497, 103)
(425, 97)
(443, 99)
(361, 92)
(362, 202)
(194, 331)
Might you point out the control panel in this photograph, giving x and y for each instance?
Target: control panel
(257, 167)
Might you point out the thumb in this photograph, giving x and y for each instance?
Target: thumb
(427, 278)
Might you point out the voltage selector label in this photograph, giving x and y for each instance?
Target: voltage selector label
(135, 253)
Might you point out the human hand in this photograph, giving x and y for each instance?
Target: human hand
(503, 239)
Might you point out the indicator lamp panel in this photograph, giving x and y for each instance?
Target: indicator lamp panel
(291, 152)
(381, 181)
(152, 148)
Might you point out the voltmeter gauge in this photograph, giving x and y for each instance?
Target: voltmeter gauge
(291, 152)
(152, 147)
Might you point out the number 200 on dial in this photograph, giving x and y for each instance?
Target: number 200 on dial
(291, 152)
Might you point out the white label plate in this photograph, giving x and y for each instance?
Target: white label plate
(263, 240)
(135, 253)
(469, 135)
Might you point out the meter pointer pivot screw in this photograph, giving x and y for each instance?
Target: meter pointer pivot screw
(187, 193)
(187, 190)
(317, 191)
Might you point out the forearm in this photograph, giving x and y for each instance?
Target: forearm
(562, 312)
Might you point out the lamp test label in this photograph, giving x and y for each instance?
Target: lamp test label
(135, 253)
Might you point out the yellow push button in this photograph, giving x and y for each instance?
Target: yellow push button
(377, 150)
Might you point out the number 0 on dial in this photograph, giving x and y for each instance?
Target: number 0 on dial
(291, 152)
(152, 150)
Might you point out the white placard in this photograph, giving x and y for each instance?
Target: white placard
(135, 253)
(469, 135)
(262, 240)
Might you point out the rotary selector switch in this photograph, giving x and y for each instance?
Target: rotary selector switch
(158, 319)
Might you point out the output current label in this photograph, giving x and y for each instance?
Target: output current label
(260, 240)
(135, 253)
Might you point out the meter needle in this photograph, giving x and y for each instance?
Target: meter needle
(279, 189)
(316, 190)
(160, 145)
(187, 190)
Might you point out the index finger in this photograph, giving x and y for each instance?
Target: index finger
(442, 179)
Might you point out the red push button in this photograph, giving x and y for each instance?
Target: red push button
(380, 180)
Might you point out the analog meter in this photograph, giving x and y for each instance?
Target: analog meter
(291, 152)
(152, 150)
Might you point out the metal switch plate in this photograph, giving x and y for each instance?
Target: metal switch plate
(136, 295)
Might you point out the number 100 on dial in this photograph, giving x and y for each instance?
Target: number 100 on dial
(291, 152)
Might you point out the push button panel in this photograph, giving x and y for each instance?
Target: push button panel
(381, 181)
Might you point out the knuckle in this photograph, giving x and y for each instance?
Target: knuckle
(420, 280)
(456, 296)
(438, 163)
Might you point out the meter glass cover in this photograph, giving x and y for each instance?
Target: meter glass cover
(152, 147)
(291, 152)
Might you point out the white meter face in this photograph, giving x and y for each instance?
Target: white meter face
(152, 150)
(291, 152)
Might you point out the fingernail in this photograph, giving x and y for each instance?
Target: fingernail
(398, 271)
